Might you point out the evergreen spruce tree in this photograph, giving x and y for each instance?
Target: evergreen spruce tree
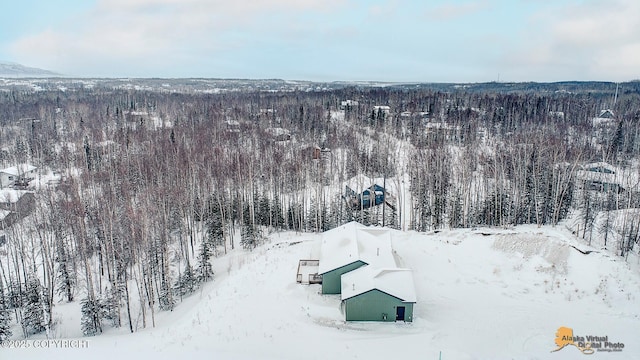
(5, 317)
(204, 270)
(250, 234)
(111, 306)
(186, 283)
(15, 296)
(214, 223)
(276, 210)
(165, 297)
(64, 278)
(263, 213)
(92, 314)
(33, 320)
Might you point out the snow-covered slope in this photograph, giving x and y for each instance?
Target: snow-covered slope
(9, 69)
(482, 294)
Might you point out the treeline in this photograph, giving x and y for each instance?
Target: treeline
(155, 185)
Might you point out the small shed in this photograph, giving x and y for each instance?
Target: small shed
(349, 247)
(385, 294)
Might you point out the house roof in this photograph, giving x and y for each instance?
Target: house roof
(607, 114)
(11, 196)
(19, 169)
(353, 242)
(393, 281)
(626, 178)
(3, 214)
(361, 182)
(594, 167)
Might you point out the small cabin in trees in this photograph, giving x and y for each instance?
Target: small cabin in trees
(362, 192)
(371, 196)
(14, 206)
(233, 126)
(607, 114)
(19, 175)
(604, 177)
(349, 247)
(278, 134)
(378, 294)
(348, 104)
(313, 152)
(605, 119)
(382, 109)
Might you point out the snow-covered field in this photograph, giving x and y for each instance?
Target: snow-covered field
(482, 294)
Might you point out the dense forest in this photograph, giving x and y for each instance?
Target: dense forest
(150, 186)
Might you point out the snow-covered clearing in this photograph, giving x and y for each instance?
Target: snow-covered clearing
(482, 294)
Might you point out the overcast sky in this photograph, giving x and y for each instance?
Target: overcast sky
(325, 40)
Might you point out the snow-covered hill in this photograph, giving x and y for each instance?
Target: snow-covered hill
(482, 294)
(13, 70)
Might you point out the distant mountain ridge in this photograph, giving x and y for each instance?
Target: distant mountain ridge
(10, 69)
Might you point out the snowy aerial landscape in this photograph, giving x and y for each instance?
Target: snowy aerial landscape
(320, 179)
(172, 221)
(483, 293)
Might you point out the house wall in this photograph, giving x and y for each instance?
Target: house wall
(9, 220)
(4, 180)
(20, 209)
(331, 283)
(373, 305)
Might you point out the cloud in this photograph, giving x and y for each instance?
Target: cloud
(446, 12)
(384, 9)
(126, 34)
(590, 41)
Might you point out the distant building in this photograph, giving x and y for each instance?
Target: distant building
(278, 134)
(19, 175)
(442, 131)
(384, 109)
(363, 192)
(14, 206)
(604, 177)
(556, 115)
(607, 114)
(233, 126)
(348, 104)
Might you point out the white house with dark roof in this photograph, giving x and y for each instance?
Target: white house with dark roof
(20, 173)
(358, 262)
(349, 247)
